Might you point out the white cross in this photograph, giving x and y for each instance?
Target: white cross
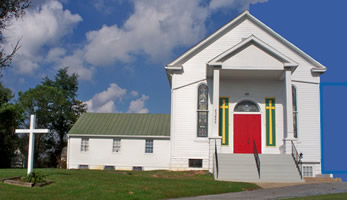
(31, 132)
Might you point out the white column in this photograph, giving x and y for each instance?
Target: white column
(216, 77)
(31, 144)
(288, 110)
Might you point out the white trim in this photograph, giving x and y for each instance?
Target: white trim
(119, 136)
(298, 81)
(246, 113)
(318, 70)
(174, 68)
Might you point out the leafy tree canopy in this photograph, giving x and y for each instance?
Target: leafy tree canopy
(57, 108)
(9, 9)
(10, 116)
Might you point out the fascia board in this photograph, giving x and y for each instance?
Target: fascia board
(174, 68)
(318, 70)
(121, 136)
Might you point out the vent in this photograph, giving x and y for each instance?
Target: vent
(109, 167)
(83, 166)
(195, 163)
(137, 168)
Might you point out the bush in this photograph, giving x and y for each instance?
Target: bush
(35, 177)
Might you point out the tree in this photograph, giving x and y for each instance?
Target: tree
(10, 116)
(9, 9)
(56, 107)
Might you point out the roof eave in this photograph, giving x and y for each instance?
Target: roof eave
(121, 136)
(318, 70)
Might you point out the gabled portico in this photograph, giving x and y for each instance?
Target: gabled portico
(255, 61)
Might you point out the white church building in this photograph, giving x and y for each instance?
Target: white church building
(245, 105)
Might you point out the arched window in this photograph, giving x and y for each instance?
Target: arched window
(202, 110)
(246, 106)
(295, 112)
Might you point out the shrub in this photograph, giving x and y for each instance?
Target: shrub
(35, 177)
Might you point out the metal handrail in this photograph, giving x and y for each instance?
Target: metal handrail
(256, 157)
(297, 158)
(216, 156)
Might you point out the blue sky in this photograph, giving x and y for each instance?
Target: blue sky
(119, 48)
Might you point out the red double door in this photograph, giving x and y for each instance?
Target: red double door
(247, 128)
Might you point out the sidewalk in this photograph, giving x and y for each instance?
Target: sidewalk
(281, 192)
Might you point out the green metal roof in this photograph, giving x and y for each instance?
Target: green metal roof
(122, 124)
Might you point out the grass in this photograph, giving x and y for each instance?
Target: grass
(94, 184)
(337, 196)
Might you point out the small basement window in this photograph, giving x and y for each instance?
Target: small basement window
(195, 163)
(83, 167)
(109, 167)
(307, 171)
(137, 168)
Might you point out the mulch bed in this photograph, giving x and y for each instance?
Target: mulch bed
(19, 182)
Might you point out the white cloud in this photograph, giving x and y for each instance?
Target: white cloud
(75, 62)
(106, 6)
(39, 28)
(105, 101)
(155, 28)
(240, 5)
(138, 105)
(134, 93)
(108, 107)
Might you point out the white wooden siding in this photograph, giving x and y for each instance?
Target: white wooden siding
(132, 153)
(308, 121)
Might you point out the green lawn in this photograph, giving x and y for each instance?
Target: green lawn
(94, 184)
(337, 196)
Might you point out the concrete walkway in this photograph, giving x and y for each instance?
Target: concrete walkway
(281, 192)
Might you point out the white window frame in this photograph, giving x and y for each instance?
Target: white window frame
(149, 146)
(116, 145)
(307, 173)
(84, 144)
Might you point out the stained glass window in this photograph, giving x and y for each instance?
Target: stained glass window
(295, 113)
(202, 110)
(246, 106)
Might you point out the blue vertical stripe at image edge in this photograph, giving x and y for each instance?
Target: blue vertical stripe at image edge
(342, 173)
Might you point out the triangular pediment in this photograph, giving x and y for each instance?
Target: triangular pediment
(230, 26)
(252, 53)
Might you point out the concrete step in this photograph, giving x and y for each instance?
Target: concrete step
(237, 167)
(273, 168)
